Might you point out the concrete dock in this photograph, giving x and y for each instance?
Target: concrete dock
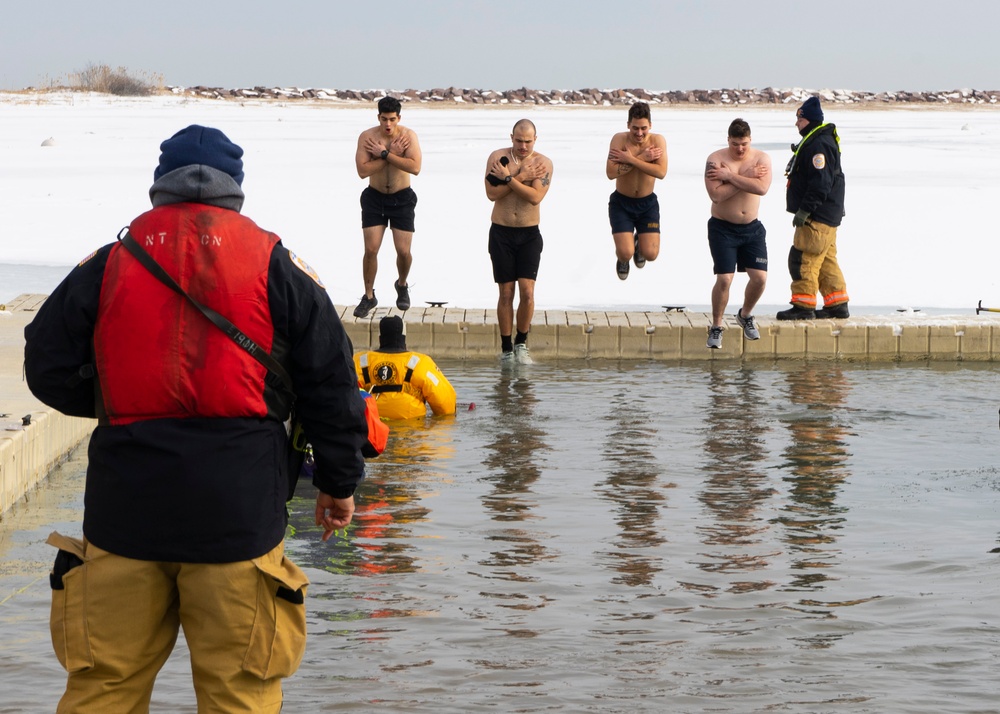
(34, 438)
(459, 333)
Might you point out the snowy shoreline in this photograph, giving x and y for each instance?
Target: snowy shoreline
(456, 97)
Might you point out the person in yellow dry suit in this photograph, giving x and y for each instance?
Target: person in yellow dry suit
(403, 381)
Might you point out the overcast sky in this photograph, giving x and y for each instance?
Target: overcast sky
(501, 44)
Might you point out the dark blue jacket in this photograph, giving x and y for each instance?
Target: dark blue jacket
(815, 178)
(198, 488)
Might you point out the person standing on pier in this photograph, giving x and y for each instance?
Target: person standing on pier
(637, 158)
(185, 503)
(387, 155)
(815, 195)
(736, 177)
(517, 179)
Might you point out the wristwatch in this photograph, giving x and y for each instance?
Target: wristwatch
(385, 153)
(508, 179)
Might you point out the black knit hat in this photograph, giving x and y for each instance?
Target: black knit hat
(200, 145)
(811, 110)
(390, 334)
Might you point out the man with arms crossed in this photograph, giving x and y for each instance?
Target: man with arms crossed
(736, 177)
(517, 180)
(637, 158)
(387, 155)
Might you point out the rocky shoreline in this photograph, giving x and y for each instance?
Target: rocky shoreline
(601, 97)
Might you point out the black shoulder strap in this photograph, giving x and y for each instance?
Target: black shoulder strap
(233, 332)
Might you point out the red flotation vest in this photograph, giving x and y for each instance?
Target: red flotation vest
(158, 357)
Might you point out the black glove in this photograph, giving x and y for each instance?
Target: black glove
(800, 218)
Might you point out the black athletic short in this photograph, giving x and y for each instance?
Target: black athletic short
(737, 246)
(395, 210)
(515, 252)
(638, 215)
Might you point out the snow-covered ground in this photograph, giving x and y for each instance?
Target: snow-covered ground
(918, 231)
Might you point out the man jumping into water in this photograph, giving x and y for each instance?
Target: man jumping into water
(637, 158)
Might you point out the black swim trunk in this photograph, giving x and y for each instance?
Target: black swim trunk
(737, 246)
(515, 252)
(395, 210)
(634, 215)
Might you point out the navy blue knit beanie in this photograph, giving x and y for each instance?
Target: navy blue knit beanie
(200, 145)
(810, 110)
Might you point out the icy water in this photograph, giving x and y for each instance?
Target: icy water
(647, 537)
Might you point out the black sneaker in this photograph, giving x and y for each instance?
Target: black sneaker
(366, 305)
(622, 269)
(402, 296)
(637, 258)
(796, 313)
(835, 312)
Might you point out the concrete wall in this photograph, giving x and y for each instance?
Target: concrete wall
(27, 452)
(473, 334)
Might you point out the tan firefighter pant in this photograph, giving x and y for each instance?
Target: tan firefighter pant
(812, 263)
(115, 621)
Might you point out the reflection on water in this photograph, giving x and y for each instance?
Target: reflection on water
(736, 484)
(634, 485)
(635, 538)
(388, 502)
(816, 461)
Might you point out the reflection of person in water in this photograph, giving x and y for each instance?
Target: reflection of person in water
(514, 443)
(736, 486)
(390, 501)
(817, 462)
(633, 486)
(401, 380)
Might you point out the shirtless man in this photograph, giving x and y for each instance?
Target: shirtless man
(637, 158)
(736, 177)
(517, 180)
(387, 155)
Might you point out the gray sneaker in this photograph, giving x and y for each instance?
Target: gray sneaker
(750, 330)
(714, 337)
(622, 269)
(521, 354)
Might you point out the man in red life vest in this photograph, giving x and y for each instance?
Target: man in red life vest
(185, 511)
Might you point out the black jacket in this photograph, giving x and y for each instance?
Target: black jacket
(815, 179)
(203, 489)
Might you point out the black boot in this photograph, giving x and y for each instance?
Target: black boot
(835, 312)
(796, 313)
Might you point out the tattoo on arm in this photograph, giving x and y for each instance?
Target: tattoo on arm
(545, 180)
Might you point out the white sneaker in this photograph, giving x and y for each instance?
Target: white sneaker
(506, 360)
(522, 355)
(714, 337)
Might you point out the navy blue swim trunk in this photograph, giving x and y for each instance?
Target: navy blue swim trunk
(634, 215)
(737, 246)
(395, 210)
(515, 252)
